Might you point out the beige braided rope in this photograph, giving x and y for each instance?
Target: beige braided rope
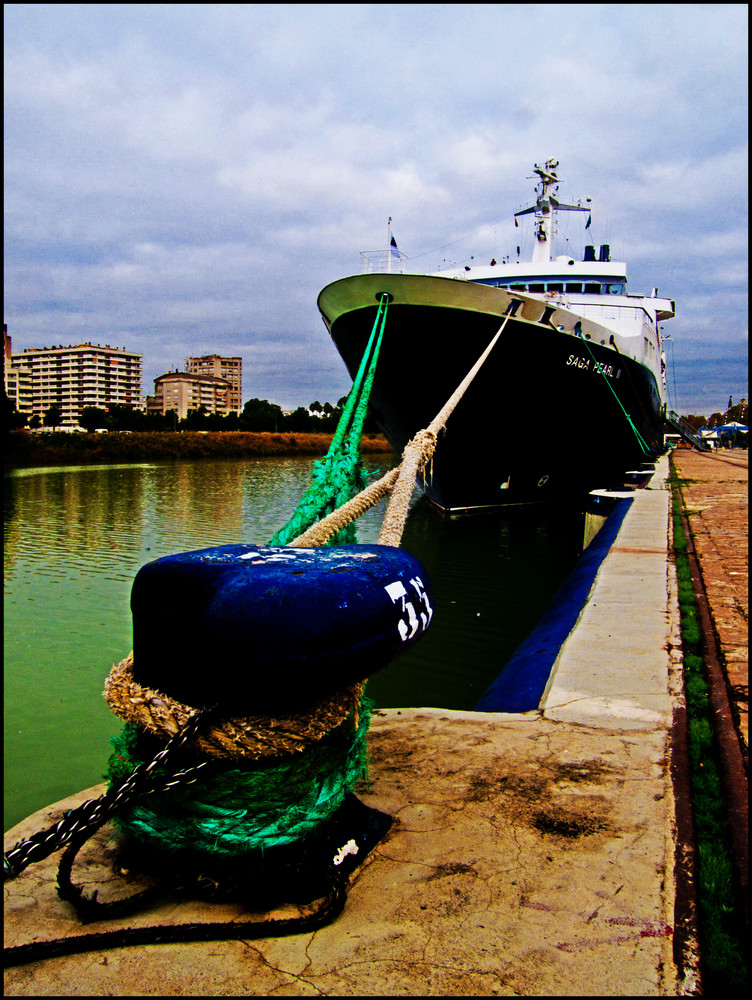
(416, 456)
(420, 451)
(250, 737)
(320, 533)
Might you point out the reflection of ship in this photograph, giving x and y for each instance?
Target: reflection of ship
(571, 396)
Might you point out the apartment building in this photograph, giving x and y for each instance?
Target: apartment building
(72, 378)
(229, 369)
(182, 391)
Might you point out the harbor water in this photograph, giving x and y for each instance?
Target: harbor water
(75, 538)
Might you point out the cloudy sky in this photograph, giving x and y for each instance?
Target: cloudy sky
(184, 179)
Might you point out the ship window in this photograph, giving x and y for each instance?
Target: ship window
(592, 287)
(615, 289)
(574, 286)
(518, 288)
(537, 288)
(555, 286)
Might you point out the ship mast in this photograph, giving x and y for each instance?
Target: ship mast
(545, 208)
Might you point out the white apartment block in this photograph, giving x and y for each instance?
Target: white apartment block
(181, 391)
(229, 369)
(72, 378)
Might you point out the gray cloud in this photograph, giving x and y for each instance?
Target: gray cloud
(182, 179)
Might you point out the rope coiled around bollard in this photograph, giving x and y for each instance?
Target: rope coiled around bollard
(252, 737)
(242, 805)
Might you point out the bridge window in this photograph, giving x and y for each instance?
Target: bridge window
(574, 286)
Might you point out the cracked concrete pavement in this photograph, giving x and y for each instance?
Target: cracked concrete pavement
(526, 857)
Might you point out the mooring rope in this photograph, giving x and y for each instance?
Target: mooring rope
(400, 481)
(322, 913)
(246, 737)
(339, 474)
(420, 450)
(644, 447)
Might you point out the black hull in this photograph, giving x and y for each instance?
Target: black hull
(541, 420)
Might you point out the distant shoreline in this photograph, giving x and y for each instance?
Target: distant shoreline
(24, 449)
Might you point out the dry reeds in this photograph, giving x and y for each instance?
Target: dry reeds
(59, 448)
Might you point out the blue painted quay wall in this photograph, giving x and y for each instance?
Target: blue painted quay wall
(520, 685)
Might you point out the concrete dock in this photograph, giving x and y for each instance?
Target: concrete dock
(531, 854)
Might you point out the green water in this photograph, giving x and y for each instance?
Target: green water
(76, 536)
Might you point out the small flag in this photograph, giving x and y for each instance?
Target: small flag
(516, 223)
(589, 220)
(393, 243)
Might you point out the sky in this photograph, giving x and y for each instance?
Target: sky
(183, 179)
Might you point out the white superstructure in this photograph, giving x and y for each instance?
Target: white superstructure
(593, 289)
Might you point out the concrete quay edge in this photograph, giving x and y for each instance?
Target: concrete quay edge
(612, 668)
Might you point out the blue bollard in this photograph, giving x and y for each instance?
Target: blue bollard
(264, 629)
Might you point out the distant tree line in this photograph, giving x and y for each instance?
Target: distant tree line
(738, 413)
(256, 415)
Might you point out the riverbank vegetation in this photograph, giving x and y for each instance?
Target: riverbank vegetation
(256, 415)
(25, 449)
(122, 434)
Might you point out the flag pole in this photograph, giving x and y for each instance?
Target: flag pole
(389, 245)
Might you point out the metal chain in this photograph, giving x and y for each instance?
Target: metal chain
(92, 813)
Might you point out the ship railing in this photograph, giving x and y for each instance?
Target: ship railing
(383, 261)
(686, 430)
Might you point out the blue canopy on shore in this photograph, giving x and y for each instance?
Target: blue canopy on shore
(727, 428)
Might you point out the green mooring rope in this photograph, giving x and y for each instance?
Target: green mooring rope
(259, 805)
(644, 447)
(248, 806)
(338, 477)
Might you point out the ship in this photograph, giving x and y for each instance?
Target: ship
(571, 397)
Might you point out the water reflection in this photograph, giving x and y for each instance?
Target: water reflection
(493, 577)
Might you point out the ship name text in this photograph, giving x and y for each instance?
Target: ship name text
(586, 364)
